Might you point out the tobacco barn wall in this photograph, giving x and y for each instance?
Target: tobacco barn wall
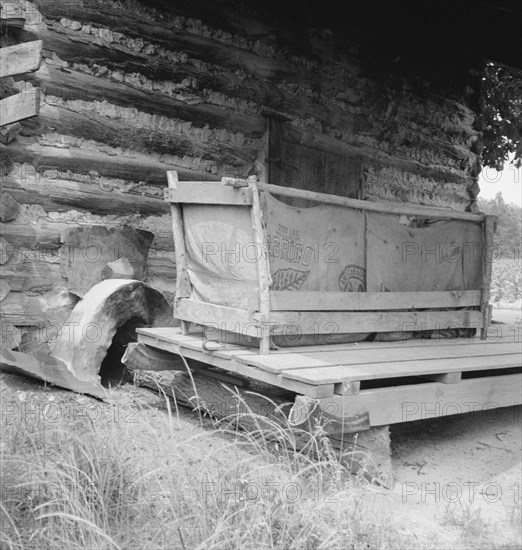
(130, 90)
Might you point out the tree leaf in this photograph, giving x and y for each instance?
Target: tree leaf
(289, 279)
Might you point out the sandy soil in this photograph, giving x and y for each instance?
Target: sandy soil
(462, 475)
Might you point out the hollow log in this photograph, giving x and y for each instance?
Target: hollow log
(95, 319)
(47, 369)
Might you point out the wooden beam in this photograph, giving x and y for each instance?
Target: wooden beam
(21, 58)
(395, 404)
(219, 317)
(19, 106)
(207, 192)
(389, 208)
(364, 301)
(336, 322)
(263, 269)
(183, 285)
(212, 359)
(391, 370)
(487, 269)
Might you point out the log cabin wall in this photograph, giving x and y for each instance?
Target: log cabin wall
(130, 90)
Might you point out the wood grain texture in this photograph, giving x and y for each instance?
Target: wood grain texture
(20, 58)
(19, 106)
(356, 301)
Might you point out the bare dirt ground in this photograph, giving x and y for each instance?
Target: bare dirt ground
(458, 479)
(462, 475)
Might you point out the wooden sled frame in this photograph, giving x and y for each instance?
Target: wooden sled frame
(283, 312)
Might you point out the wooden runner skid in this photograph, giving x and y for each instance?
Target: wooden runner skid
(327, 370)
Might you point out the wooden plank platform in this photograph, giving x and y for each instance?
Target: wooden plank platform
(372, 375)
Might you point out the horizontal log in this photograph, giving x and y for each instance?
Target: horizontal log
(364, 301)
(21, 58)
(204, 192)
(19, 309)
(172, 38)
(32, 271)
(57, 194)
(79, 86)
(19, 106)
(75, 47)
(370, 154)
(87, 159)
(192, 151)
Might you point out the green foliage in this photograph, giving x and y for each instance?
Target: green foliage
(502, 111)
(509, 225)
(506, 282)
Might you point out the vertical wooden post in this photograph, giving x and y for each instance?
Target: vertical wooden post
(487, 260)
(263, 270)
(183, 286)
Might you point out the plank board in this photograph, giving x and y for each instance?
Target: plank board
(316, 391)
(364, 301)
(392, 405)
(376, 371)
(19, 106)
(20, 58)
(324, 322)
(207, 192)
(220, 317)
(227, 351)
(355, 356)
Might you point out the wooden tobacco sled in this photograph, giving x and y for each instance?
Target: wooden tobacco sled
(270, 312)
(358, 385)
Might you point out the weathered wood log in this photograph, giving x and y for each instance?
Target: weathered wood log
(265, 415)
(19, 309)
(10, 336)
(95, 319)
(144, 143)
(77, 48)
(34, 271)
(6, 251)
(19, 106)
(20, 58)
(88, 250)
(99, 195)
(79, 86)
(4, 289)
(9, 132)
(139, 356)
(173, 38)
(12, 13)
(9, 208)
(48, 369)
(119, 269)
(22, 310)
